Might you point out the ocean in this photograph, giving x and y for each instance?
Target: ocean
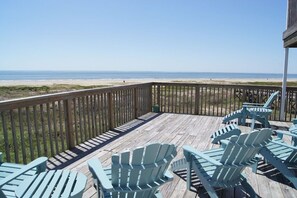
(64, 75)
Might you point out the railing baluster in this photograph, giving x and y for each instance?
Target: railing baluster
(29, 134)
(61, 126)
(50, 128)
(21, 125)
(69, 123)
(55, 127)
(100, 114)
(14, 137)
(81, 121)
(88, 114)
(95, 111)
(43, 130)
(110, 111)
(5, 134)
(75, 120)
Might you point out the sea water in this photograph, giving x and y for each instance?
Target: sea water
(52, 75)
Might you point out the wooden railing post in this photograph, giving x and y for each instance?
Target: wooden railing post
(110, 111)
(69, 123)
(197, 99)
(150, 98)
(159, 97)
(135, 102)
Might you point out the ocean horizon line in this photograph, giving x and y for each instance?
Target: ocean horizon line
(63, 75)
(135, 71)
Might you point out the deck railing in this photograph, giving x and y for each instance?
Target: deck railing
(218, 99)
(49, 124)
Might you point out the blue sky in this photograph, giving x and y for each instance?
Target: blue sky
(139, 35)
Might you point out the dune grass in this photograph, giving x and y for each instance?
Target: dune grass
(20, 91)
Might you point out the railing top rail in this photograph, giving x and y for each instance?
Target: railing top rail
(40, 99)
(36, 100)
(224, 85)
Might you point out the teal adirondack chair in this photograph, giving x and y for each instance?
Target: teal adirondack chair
(256, 111)
(53, 184)
(282, 155)
(11, 175)
(222, 167)
(136, 173)
(32, 180)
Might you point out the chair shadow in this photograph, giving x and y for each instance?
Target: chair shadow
(197, 187)
(68, 157)
(272, 173)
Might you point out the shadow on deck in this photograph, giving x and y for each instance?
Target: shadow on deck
(66, 158)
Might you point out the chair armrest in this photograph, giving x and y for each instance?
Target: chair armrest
(98, 173)
(247, 104)
(280, 134)
(190, 150)
(80, 185)
(168, 175)
(284, 144)
(224, 143)
(39, 162)
(293, 130)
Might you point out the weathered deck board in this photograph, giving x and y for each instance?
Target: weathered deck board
(170, 128)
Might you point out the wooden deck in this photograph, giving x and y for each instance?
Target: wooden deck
(169, 128)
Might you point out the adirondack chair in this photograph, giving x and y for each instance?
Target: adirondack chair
(136, 173)
(282, 155)
(256, 111)
(54, 184)
(11, 175)
(222, 167)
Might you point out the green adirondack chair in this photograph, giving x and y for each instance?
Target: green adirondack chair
(11, 174)
(222, 167)
(256, 111)
(136, 173)
(282, 155)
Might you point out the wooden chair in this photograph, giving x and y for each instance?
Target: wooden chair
(32, 180)
(54, 184)
(282, 155)
(136, 173)
(222, 167)
(12, 175)
(256, 111)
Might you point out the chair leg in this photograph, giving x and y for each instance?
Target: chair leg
(189, 175)
(248, 188)
(255, 167)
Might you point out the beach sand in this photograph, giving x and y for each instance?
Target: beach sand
(113, 82)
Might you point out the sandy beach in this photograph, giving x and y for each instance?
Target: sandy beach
(111, 82)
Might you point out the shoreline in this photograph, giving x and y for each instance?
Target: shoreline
(88, 82)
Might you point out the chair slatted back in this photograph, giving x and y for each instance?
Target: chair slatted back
(240, 152)
(141, 167)
(270, 100)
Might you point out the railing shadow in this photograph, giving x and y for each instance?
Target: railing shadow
(68, 157)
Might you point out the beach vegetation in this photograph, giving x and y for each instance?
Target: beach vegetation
(20, 91)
